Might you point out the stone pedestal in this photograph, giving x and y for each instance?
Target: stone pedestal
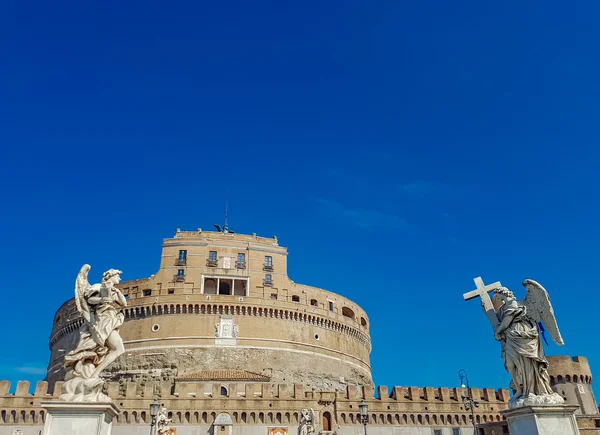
(79, 418)
(542, 420)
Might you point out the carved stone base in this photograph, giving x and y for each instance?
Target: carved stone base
(542, 420)
(534, 400)
(80, 389)
(79, 418)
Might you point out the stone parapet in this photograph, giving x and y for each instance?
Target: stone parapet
(252, 403)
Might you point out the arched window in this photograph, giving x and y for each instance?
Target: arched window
(347, 312)
(314, 302)
(224, 287)
(210, 286)
(326, 421)
(363, 322)
(224, 391)
(295, 298)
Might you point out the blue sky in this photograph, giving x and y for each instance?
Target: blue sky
(398, 149)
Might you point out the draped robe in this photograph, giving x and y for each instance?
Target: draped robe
(523, 351)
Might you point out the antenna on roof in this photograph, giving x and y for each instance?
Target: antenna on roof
(225, 228)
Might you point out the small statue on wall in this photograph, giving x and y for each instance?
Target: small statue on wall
(307, 422)
(163, 422)
(101, 306)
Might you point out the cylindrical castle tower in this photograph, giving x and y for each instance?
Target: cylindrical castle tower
(572, 379)
(221, 307)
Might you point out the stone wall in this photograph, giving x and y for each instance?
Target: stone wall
(256, 404)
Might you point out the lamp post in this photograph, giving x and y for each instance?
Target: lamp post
(154, 408)
(364, 414)
(468, 401)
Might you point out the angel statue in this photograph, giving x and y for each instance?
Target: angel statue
(162, 422)
(307, 422)
(522, 349)
(101, 306)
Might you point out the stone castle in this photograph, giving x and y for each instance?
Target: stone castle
(221, 334)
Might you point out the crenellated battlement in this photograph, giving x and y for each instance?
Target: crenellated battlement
(263, 403)
(210, 390)
(569, 369)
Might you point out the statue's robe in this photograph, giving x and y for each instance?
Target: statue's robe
(523, 351)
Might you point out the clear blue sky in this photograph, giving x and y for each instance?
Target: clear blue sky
(398, 149)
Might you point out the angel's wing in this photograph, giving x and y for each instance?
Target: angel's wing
(81, 286)
(540, 309)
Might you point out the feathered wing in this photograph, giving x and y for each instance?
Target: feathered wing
(81, 286)
(540, 309)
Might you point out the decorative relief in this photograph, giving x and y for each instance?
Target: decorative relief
(226, 331)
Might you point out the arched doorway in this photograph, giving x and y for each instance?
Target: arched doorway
(326, 421)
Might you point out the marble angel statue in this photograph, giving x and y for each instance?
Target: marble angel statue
(307, 422)
(101, 306)
(522, 348)
(162, 422)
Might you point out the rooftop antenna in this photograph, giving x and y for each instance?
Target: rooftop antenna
(225, 228)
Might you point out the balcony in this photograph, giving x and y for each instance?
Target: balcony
(211, 263)
(240, 264)
(178, 278)
(181, 262)
(268, 267)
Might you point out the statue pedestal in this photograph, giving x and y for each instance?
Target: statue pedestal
(79, 418)
(542, 420)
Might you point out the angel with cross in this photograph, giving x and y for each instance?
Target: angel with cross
(518, 326)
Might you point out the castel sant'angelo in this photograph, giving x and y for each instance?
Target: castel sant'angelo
(228, 343)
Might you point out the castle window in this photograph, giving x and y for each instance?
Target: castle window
(224, 391)
(455, 431)
(212, 259)
(268, 279)
(273, 295)
(347, 312)
(295, 298)
(363, 322)
(437, 432)
(268, 263)
(210, 286)
(180, 275)
(171, 291)
(241, 261)
(182, 259)
(225, 286)
(147, 292)
(239, 287)
(330, 306)
(314, 302)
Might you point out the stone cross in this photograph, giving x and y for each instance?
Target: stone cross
(483, 291)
